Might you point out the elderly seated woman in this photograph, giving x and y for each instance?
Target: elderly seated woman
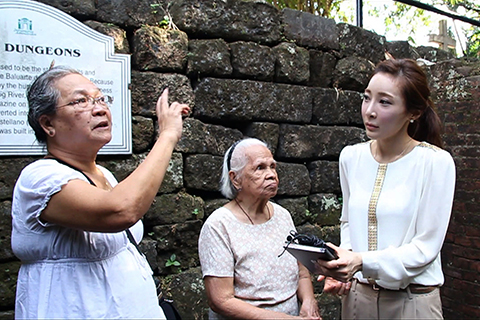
(240, 242)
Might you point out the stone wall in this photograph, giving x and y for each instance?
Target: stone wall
(287, 77)
(457, 96)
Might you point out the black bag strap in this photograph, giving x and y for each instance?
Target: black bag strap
(132, 240)
(74, 168)
(127, 231)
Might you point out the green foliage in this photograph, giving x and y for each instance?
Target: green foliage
(473, 43)
(172, 261)
(398, 17)
(165, 22)
(408, 19)
(155, 7)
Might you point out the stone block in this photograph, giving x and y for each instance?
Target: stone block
(149, 249)
(322, 66)
(292, 63)
(324, 176)
(213, 204)
(352, 73)
(198, 137)
(330, 305)
(245, 100)
(402, 50)
(122, 168)
(159, 49)
(76, 8)
(298, 208)
(6, 252)
(308, 30)
(251, 60)
(148, 86)
(433, 54)
(326, 208)
(294, 179)
(203, 172)
(336, 107)
(327, 234)
(119, 36)
(143, 133)
(180, 239)
(8, 284)
(173, 208)
(208, 58)
(231, 20)
(10, 169)
(188, 291)
(131, 13)
(266, 131)
(314, 142)
(357, 41)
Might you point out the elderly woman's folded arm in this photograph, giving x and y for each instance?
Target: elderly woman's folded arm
(222, 300)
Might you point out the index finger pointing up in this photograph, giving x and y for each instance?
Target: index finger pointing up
(162, 102)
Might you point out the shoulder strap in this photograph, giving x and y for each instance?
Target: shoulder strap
(127, 231)
(132, 240)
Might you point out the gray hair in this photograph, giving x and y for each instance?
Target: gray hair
(235, 160)
(42, 97)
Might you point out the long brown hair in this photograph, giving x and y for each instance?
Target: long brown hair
(414, 87)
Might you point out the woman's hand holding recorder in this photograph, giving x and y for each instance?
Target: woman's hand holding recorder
(343, 268)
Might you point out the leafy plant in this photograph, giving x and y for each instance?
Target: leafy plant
(172, 261)
(154, 7)
(165, 22)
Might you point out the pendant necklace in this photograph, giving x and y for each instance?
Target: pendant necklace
(251, 221)
(397, 157)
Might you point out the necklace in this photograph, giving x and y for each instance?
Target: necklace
(251, 221)
(396, 157)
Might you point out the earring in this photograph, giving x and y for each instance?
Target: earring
(411, 120)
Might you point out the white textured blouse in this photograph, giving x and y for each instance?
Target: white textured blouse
(69, 273)
(412, 208)
(250, 254)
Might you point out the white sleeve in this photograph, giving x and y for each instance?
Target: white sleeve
(399, 265)
(37, 183)
(344, 226)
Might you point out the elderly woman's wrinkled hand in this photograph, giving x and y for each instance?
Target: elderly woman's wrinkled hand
(343, 268)
(170, 116)
(309, 310)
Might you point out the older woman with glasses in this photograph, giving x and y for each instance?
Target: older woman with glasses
(240, 243)
(69, 214)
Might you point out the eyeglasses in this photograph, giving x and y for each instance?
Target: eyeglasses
(85, 102)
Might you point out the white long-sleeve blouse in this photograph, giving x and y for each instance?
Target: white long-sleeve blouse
(412, 212)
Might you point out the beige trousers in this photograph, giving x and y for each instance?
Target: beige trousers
(362, 302)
